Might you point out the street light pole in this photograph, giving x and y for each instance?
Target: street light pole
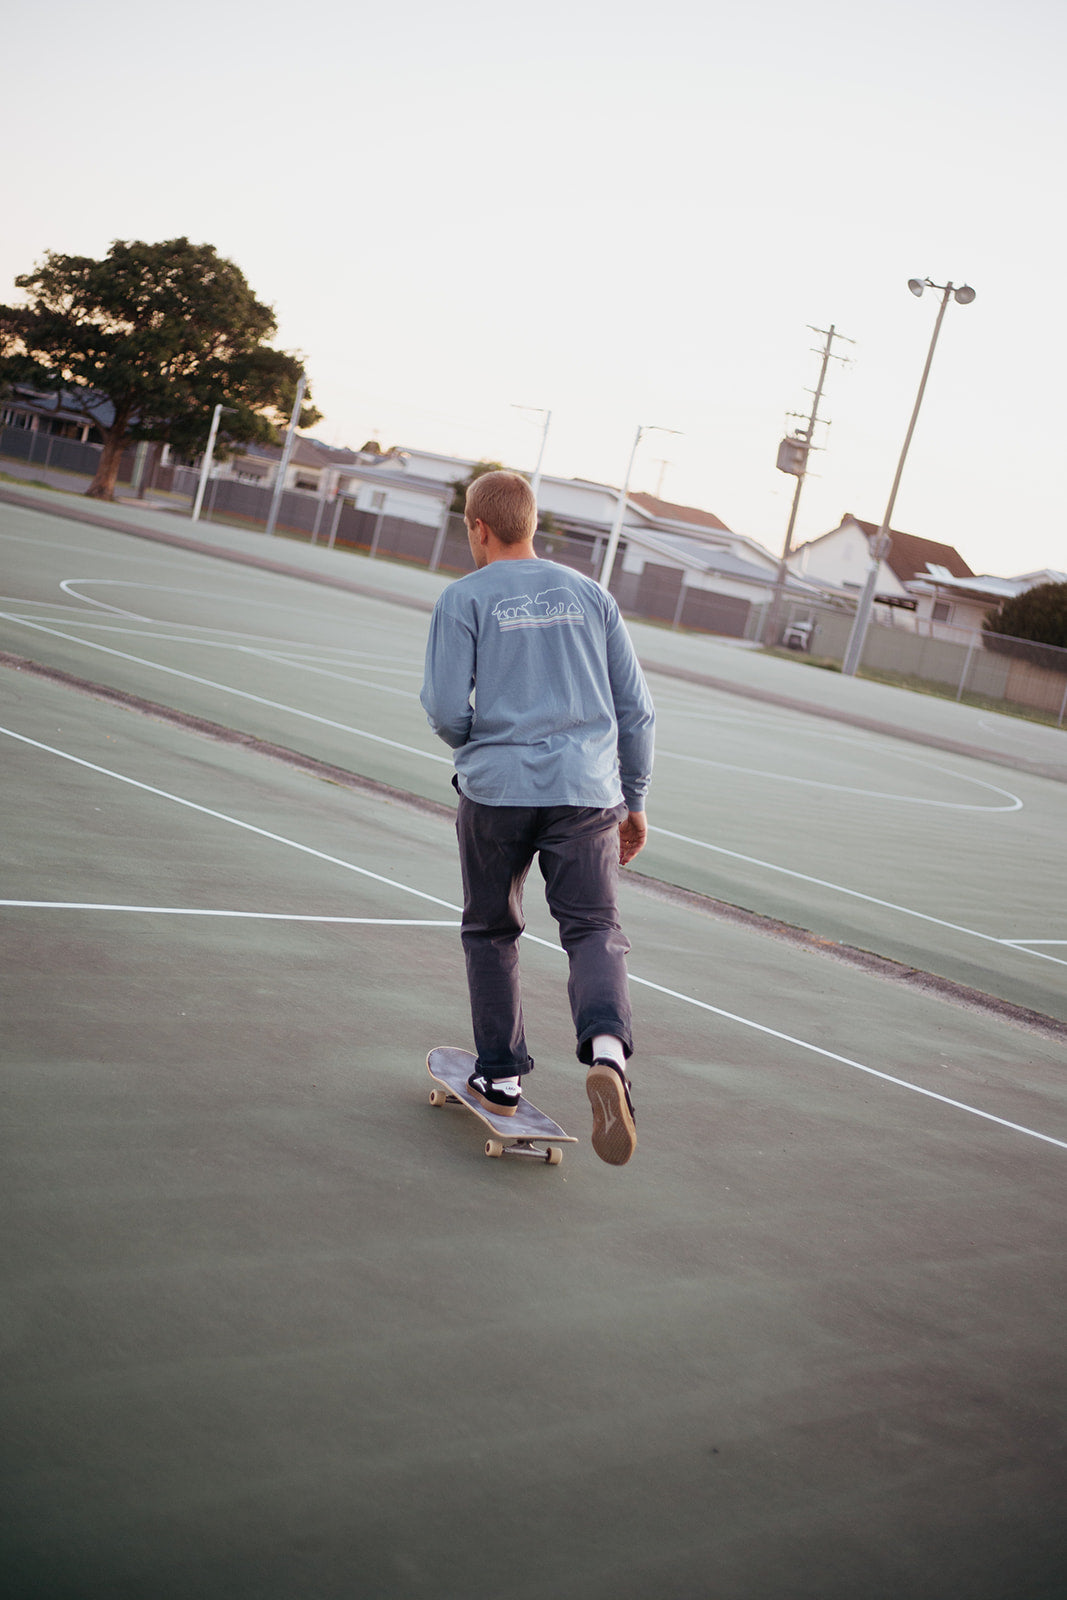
(620, 509)
(205, 465)
(963, 295)
(535, 482)
(287, 450)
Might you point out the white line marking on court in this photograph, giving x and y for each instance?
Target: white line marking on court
(548, 944)
(253, 916)
(327, 672)
(195, 911)
(86, 599)
(868, 794)
(283, 649)
(855, 894)
(847, 1061)
(226, 598)
(242, 694)
(223, 816)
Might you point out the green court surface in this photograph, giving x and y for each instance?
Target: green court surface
(275, 1327)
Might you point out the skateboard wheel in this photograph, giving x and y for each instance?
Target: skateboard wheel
(438, 1097)
(493, 1147)
(553, 1155)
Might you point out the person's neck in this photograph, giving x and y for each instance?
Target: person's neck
(511, 552)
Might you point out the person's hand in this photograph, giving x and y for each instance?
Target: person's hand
(632, 835)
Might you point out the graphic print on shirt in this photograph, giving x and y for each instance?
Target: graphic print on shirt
(547, 609)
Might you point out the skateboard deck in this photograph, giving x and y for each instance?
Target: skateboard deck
(520, 1135)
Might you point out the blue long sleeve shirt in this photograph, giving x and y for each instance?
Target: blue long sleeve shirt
(560, 714)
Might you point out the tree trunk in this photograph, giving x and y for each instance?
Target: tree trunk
(103, 484)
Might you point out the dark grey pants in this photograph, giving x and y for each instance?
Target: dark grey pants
(578, 853)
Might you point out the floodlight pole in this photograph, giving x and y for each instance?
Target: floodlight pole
(205, 465)
(287, 450)
(620, 509)
(880, 547)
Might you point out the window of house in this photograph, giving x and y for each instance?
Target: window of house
(377, 500)
(942, 611)
(306, 483)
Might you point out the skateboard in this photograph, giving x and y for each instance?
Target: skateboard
(519, 1135)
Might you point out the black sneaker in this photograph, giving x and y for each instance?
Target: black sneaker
(614, 1134)
(502, 1102)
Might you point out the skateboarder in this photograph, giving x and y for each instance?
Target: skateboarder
(553, 758)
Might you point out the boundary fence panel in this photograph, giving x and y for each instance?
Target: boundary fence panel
(981, 667)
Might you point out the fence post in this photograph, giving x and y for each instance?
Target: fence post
(439, 542)
(966, 666)
(1063, 708)
(318, 519)
(336, 520)
(376, 535)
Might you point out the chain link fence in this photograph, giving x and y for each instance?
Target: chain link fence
(965, 664)
(1001, 672)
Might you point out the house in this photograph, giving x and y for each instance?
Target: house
(840, 561)
(54, 414)
(964, 603)
(675, 563)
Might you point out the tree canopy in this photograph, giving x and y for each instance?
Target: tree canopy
(1038, 615)
(460, 487)
(146, 342)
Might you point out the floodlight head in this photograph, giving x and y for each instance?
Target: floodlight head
(916, 285)
(964, 294)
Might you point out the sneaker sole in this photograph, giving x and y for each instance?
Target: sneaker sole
(490, 1105)
(614, 1134)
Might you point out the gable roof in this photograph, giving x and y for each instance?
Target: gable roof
(909, 555)
(670, 512)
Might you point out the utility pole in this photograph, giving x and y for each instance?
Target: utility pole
(793, 458)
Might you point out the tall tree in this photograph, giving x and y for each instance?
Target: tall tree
(1038, 615)
(146, 342)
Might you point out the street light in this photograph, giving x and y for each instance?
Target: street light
(620, 509)
(963, 295)
(536, 481)
(287, 450)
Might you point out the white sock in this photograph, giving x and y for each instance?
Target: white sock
(607, 1047)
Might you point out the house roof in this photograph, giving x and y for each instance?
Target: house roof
(696, 554)
(86, 407)
(987, 587)
(909, 556)
(668, 511)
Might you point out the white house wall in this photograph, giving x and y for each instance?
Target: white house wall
(842, 560)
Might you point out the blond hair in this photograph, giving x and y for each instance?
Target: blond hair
(505, 502)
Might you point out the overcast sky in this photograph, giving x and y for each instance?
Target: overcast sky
(624, 213)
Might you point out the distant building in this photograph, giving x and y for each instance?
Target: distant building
(55, 414)
(841, 559)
